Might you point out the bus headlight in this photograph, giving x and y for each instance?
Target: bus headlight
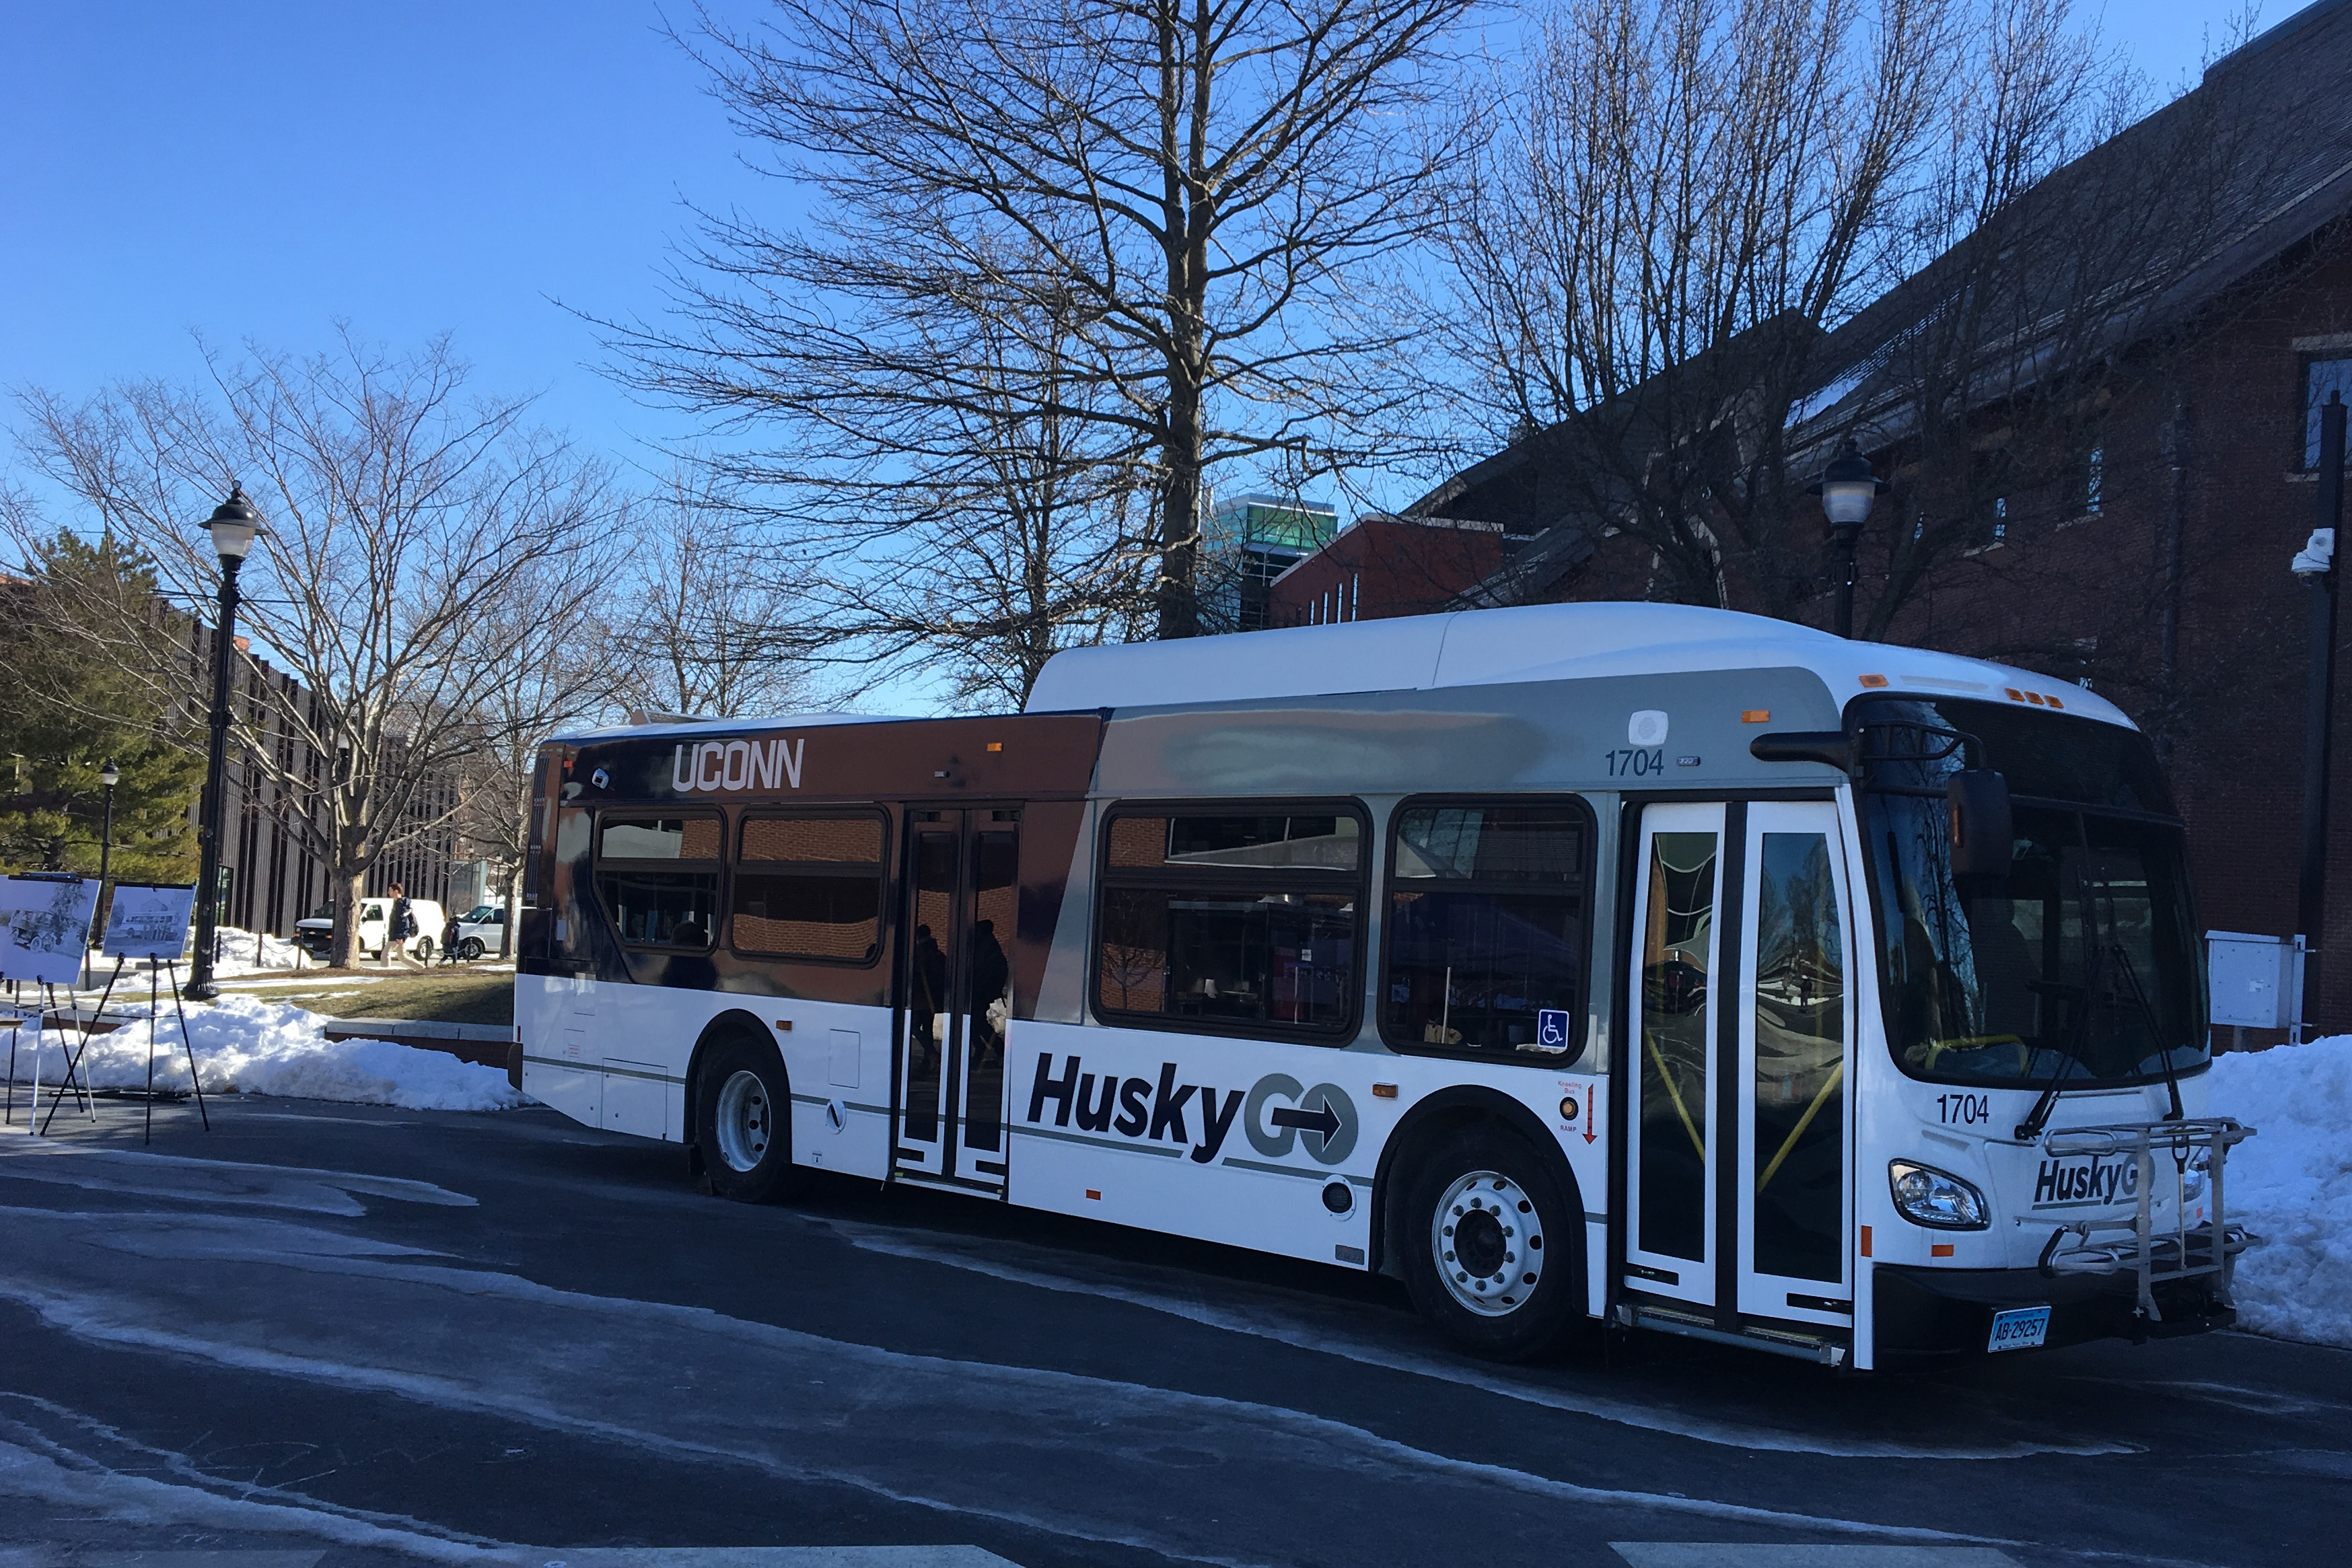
(1936, 1199)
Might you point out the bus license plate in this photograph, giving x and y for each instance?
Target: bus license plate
(2019, 1328)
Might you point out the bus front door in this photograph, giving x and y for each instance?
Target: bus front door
(955, 992)
(1738, 1195)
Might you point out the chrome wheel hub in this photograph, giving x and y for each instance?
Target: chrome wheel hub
(745, 1122)
(1488, 1244)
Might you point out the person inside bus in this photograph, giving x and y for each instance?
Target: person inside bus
(931, 990)
(991, 969)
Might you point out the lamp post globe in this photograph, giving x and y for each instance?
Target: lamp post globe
(1848, 487)
(235, 527)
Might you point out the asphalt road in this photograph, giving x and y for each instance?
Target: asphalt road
(359, 1336)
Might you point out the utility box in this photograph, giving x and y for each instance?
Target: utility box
(2256, 982)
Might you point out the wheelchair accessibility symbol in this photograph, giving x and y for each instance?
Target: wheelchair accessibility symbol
(1551, 1030)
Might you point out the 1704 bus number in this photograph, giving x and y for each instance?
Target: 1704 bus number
(1965, 1109)
(1637, 761)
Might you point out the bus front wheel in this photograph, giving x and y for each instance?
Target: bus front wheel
(1493, 1255)
(743, 1122)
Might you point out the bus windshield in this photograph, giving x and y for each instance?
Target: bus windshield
(2082, 963)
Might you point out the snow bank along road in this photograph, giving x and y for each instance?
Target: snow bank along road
(369, 1335)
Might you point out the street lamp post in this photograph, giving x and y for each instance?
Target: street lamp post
(235, 526)
(1847, 487)
(110, 776)
(2315, 567)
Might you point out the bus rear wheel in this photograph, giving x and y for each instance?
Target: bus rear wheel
(1493, 1253)
(743, 1122)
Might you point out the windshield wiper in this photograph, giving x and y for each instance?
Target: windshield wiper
(2154, 1033)
(2030, 1128)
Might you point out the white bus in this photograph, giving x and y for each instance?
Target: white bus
(1693, 971)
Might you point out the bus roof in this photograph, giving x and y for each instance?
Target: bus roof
(1533, 642)
(684, 729)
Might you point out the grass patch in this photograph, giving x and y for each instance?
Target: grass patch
(447, 996)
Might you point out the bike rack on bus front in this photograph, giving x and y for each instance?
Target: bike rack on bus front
(2113, 1247)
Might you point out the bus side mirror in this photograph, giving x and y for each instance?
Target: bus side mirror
(1982, 841)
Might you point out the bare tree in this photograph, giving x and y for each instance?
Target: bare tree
(1675, 198)
(712, 628)
(976, 537)
(405, 523)
(1182, 204)
(560, 667)
(2088, 263)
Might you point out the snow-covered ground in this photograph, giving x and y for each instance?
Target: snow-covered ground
(249, 1046)
(241, 953)
(2292, 1184)
(238, 955)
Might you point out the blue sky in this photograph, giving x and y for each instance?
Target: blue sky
(259, 170)
(249, 169)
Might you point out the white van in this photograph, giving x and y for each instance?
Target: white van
(318, 932)
(482, 931)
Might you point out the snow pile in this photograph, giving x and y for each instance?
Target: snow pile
(248, 1046)
(237, 955)
(2292, 1184)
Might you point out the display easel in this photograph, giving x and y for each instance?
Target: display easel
(48, 1004)
(47, 918)
(155, 1006)
(15, 1025)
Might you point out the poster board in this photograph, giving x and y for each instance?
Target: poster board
(45, 927)
(146, 922)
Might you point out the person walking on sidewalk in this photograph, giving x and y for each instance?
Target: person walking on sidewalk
(399, 926)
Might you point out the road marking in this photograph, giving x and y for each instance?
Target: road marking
(1287, 1316)
(756, 1557)
(1743, 1554)
(58, 1557)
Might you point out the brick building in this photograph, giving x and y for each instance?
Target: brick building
(2121, 505)
(271, 878)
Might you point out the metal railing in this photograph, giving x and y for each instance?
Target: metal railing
(2136, 1246)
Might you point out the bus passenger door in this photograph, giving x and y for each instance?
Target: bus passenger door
(1794, 1077)
(1671, 1125)
(956, 995)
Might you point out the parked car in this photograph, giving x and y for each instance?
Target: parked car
(480, 930)
(316, 933)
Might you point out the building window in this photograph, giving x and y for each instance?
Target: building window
(1489, 904)
(1239, 918)
(809, 888)
(658, 878)
(1992, 528)
(2091, 481)
(2321, 377)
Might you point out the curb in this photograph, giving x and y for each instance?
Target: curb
(485, 1045)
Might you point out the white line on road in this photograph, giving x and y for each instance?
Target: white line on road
(1313, 1324)
(757, 1557)
(1743, 1554)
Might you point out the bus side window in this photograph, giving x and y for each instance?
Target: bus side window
(809, 888)
(1489, 909)
(658, 878)
(1241, 918)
